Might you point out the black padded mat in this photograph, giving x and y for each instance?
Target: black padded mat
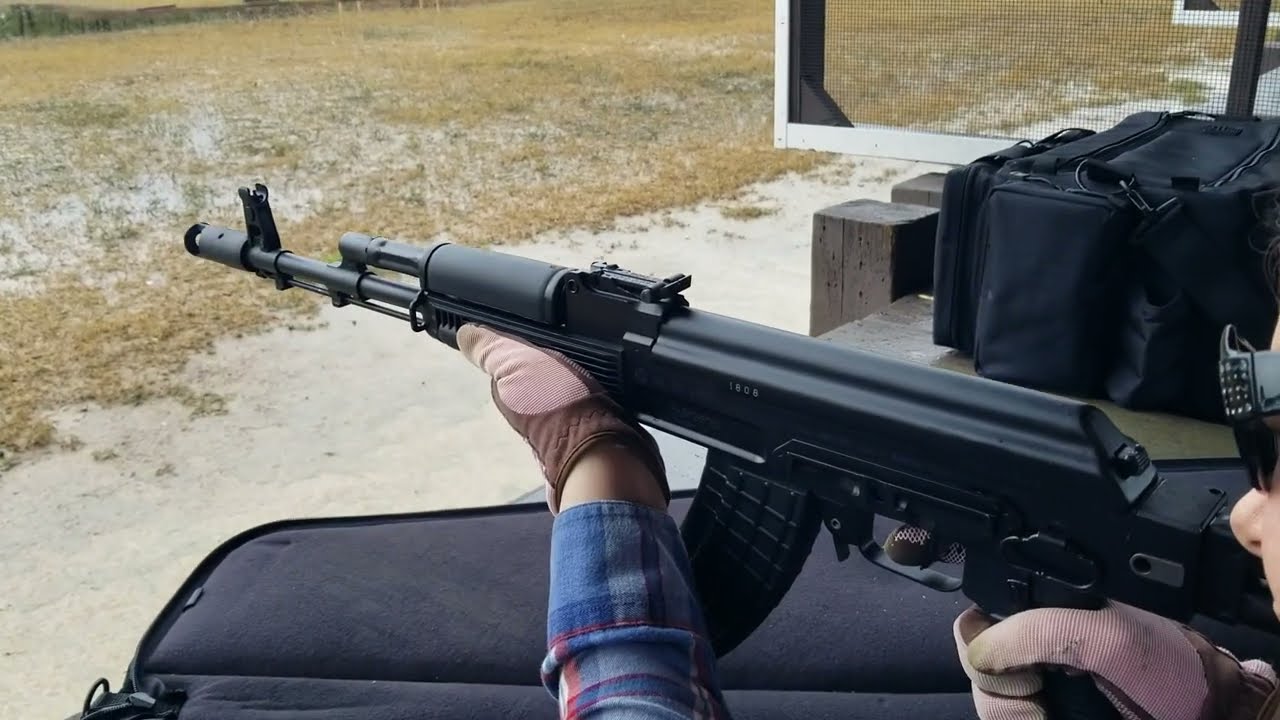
(464, 600)
(274, 699)
(382, 616)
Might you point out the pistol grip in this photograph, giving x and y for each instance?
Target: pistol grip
(1076, 697)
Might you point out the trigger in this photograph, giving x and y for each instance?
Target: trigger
(842, 549)
(838, 532)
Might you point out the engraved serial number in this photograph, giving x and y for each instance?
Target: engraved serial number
(744, 389)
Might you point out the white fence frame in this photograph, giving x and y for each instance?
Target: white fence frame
(866, 140)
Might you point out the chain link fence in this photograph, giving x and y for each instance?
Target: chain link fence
(1019, 67)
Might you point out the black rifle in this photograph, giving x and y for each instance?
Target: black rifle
(1054, 506)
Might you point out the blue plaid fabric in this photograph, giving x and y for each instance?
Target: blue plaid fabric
(625, 635)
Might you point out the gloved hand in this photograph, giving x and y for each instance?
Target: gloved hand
(555, 405)
(1150, 668)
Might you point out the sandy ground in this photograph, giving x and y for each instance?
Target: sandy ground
(360, 416)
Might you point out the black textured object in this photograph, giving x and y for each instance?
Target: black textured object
(380, 617)
(377, 618)
(1106, 266)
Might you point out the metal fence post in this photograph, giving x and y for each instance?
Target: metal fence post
(1246, 65)
(810, 102)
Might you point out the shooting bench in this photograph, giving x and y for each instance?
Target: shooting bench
(872, 265)
(871, 274)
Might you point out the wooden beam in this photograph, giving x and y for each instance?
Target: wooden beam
(923, 189)
(865, 255)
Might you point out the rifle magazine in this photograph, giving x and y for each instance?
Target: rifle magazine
(748, 538)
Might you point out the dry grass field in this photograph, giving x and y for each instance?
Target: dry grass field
(134, 4)
(488, 123)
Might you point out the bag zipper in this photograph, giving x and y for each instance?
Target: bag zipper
(957, 270)
(1250, 161)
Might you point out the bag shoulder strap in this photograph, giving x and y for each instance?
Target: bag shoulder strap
(1211, 277)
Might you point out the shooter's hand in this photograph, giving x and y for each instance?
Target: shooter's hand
(1150, 668)
(560, 411)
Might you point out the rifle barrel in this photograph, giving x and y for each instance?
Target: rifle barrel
(232, 248)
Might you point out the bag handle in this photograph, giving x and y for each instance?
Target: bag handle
(1199, 114)
(1023, 148)
(1064, 136)
(1013, 152)
(1104, 172)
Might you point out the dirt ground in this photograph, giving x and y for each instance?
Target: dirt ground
(359, 416)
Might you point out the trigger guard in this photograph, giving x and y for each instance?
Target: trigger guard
(931, 579)
(858, 529)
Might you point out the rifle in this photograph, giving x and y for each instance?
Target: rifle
(1054, 506)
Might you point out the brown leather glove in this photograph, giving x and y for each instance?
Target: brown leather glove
(555, 405)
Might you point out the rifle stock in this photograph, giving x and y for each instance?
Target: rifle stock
(1054, 505)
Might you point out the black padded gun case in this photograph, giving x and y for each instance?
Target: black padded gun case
(442, 615)
(1107, 266)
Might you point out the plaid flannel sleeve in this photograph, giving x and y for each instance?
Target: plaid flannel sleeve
(625, 634)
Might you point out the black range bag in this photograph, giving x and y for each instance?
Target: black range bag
(958, 252)
(442, 615)
(1107, 266)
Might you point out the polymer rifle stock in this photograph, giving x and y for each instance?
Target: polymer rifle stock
(1053, 504)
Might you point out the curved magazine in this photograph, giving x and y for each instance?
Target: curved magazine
(748, 539)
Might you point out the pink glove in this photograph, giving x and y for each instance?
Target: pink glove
(555, 405)
(1149, 668)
